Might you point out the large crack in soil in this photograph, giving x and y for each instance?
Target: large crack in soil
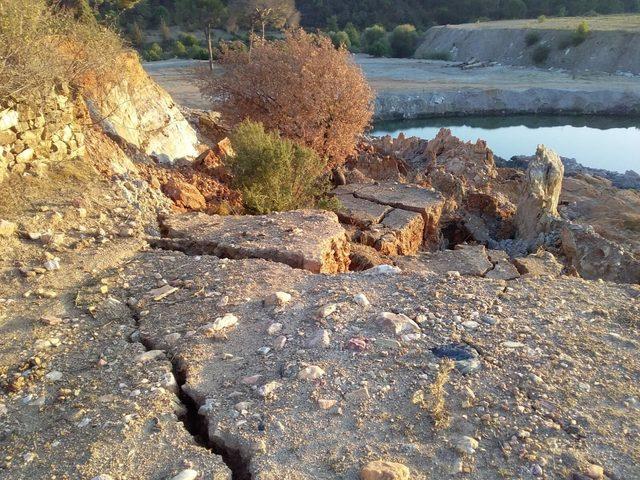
(196, 424)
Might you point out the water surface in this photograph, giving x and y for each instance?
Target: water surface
(612, 143)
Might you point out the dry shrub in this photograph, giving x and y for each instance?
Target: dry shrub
(301, 86)
(40, 47)
(435, 404)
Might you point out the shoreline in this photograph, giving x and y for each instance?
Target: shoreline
(392, 106)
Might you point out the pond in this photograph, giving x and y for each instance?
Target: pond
(611, 143)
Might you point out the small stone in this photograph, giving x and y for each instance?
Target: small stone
(279, 342)
(362, 300)
(312, 372)
(278, 299)
(172, 338)
(228, 320)
(7, 228)
(162, 292)
(383, 470)
(326, 404)
(54, 376)
(327, 310)
(398, 323)
(470, 325)
(466, 445)
(274, 328)
(595, 472)
(321, 339)
(510, 344)
(387, 343)
(148, 356)
(187, 474)
(268, 388)
(103, 476)
(251, 380)
(359, 395)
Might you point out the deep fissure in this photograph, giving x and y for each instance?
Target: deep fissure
(196, 424)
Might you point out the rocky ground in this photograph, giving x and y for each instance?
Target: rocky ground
(440, 325)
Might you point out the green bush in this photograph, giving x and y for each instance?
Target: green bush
(273, 173)
(354, 36)
(179, 50)
(437, 55)
(542, 18)
(340, 40)
(197, 52)
(581, 33)
(531, 38)
(540, 54)
(372, 35)
(154, 53)
(403, 41)
(381, 48)
(188, 40)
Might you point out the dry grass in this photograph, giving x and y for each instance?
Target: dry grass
(623, 22)
(435, 402)
(40, 47)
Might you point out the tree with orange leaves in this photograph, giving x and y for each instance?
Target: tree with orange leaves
(301, 86)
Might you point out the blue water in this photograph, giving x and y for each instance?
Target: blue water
(612, 143)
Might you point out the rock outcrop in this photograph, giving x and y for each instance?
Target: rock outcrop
(307, 239)
(143, 114)
(538, 204)
(596, 257)
(394, 218)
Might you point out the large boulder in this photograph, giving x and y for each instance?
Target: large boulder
(538, 205)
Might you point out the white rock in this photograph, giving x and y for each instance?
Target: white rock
(326, 310)
(362, 300)
(228, 320)
(54, 376)
(274, 328)
(398, 323)
(312, 372)
(103, 476)
(470, 325)
(187, 474)
(8, 119)
(148, 356)
(268, 388)
(383, 270)
(51, 265)
(277, 299)
(510, 344)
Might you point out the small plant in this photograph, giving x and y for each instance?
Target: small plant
(435, 404)
(542, 18)
(581, 33)
(273, 173)
(540, 54)
(531, 38)
(437, 55)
